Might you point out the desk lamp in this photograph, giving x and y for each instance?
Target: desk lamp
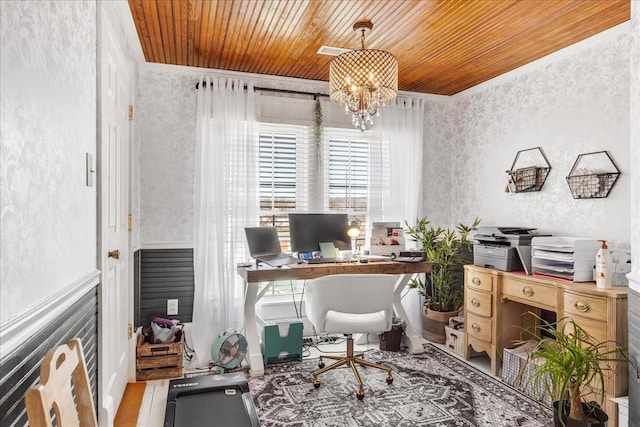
(353, 231)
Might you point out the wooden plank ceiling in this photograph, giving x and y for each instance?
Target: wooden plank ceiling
(442, 46)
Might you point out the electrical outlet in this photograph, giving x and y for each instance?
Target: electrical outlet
(172, 307)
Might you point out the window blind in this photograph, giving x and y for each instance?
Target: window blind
(347, 176)
(283, 176)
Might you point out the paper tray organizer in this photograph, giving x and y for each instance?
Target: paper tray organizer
(569, 258)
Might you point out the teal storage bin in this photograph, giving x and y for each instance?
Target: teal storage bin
(273, 344)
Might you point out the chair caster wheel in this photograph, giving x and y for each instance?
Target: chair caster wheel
(316, 383)
(389, 379)
(321, 365)
(360, 395)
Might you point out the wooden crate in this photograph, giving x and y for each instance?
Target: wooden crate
(158, 361)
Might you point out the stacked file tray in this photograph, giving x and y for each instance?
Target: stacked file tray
(386, 238)
(569, 258)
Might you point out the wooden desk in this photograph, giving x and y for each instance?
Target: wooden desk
(496, 303)
(252, 277)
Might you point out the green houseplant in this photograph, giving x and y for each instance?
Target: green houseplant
(571, 368)
(448, 250)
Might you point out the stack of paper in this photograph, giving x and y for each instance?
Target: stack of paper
(569, 258)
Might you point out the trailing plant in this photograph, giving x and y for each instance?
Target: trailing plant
(447, 251)
(570, 366)
(317, 128)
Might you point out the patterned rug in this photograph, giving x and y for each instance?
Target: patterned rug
(429, 389)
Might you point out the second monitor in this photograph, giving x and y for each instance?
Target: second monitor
(308, 230)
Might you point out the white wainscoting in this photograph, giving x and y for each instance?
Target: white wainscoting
(19, 328)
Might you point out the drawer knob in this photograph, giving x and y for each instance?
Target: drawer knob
(527, 291)
(581, 306)
(475, 327)
(475, 302)
(476, 281)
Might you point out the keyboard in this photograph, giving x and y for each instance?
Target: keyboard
(410, 259)
(374, 258)
(321, 261)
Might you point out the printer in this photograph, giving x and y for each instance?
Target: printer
(503, 248)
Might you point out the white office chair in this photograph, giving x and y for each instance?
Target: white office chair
(348, 304)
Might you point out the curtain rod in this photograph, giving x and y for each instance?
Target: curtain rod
(295, 92)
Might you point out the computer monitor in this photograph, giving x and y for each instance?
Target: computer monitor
(308, 230)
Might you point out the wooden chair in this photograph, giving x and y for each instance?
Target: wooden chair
(64, 387)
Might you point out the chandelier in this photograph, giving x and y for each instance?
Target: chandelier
(363, 80)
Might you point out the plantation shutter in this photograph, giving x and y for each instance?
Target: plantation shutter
(347, 176)
(282, 176)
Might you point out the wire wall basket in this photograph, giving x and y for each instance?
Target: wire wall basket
(532, 175)
(593, 175)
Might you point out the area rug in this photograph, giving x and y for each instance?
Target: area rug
(429, 389)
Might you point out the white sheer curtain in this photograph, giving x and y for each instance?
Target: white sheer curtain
(400, 130)
(225, 201)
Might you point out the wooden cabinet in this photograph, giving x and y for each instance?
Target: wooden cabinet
(496, 310)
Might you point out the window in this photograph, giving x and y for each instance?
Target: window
(288, 175)
(283, 159)
(290, 179)
(347, 175)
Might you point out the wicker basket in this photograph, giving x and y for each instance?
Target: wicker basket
(596, 185)
(531, 177)
(527, 179)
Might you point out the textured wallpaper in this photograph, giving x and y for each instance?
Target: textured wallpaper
(439, 132)
(635, 140)
(47, 124)
(577, 104)
(165, 127)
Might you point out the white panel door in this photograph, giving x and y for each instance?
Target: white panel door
(115, 300)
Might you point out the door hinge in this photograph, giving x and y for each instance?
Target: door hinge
(130, 330)
(130, 222)
(130, 112)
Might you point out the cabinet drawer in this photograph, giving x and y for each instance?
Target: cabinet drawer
(596, 330)
(478, 302)
(585, 306)
(477, 280)
(530, 293)
(478, 327)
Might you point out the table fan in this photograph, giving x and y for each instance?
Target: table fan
(228, 349)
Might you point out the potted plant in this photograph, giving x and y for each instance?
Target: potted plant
(571, 368)
(447, 250)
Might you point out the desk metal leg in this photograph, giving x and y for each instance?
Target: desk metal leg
(254, 352)
(411, 339)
